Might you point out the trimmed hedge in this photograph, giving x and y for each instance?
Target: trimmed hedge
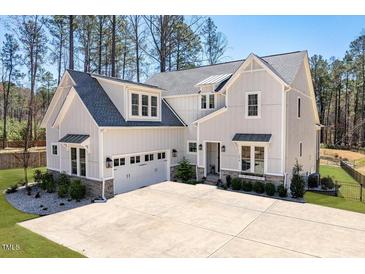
(282, 191)
(259, 187)
(247, 186)
(270, 189)
(236, 184)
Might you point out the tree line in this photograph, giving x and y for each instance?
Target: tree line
(339, 85)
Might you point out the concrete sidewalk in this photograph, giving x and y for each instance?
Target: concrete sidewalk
(179, 220)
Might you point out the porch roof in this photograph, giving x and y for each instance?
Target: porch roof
(74, 138)
(251, 137)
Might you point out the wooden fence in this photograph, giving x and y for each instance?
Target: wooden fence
(16, 144)
(15, 159)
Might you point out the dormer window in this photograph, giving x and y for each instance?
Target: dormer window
(144, 105)
(207, 101)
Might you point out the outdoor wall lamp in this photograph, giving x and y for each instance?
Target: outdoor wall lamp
(223, 149)
(200, 147)
(108, 162)
(174, 153)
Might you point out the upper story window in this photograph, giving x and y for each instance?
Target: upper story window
(300, 149)
(299, 107)
(207, 101)
(135, 104)
(144, 105)
(253, 105)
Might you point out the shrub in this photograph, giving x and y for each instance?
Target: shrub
(192, 182)
(283, 192)
(258, 187)
(313, 180)
(270, 189)
(63, 191)
(37, 175)
(236, 184)
(184, 171)
(48, 182)
(247, 186)
(327, 183)
(64, 179)
(297, 182)
(77, 190)
(12, 189)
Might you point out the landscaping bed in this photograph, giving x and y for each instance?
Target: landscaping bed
(47, 203)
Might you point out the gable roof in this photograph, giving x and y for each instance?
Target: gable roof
(103, 110)
(285, 65)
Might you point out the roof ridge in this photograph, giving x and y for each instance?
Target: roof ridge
(233, 61)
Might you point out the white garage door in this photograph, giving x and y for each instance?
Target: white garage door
(135, 171)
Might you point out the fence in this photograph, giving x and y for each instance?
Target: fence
(15, 159)
(16, 144)
(349, 190)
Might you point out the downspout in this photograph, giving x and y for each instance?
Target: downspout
(101, 164)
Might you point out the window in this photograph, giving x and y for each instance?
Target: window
(154, 106)
(151, 157)
(146, 158)
(122, 161)
(132, 160)
(246, 158)
(116, 162)
(135, 104)
(82, 153)
(211, 101)
(192, 147)
(300, 149)
(144, 105)
(74, 161)
(259, 160)
(54, 150)
(298, 108)
(203, 101)
(253, 105)
(161, 155)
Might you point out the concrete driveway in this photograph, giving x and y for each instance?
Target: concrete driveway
(179, 220)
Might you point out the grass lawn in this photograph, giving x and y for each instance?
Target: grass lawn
(29, 243)
(339, 175)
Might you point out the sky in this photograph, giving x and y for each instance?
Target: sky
(265, 35)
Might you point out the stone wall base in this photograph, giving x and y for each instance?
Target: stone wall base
(94, 188)
(277, 180)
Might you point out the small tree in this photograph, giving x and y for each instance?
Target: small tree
(297, 182)
(184, 171)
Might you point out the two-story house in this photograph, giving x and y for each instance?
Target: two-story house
(249, 118)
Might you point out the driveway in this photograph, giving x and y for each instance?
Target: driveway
(179, 220)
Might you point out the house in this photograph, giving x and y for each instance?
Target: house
(250, 118)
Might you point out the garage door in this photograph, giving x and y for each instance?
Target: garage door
(135, 171)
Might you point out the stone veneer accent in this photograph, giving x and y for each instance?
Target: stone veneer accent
(94, 188)
(277, 180)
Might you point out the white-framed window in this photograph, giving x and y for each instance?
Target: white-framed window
(54, 148)
(122, 161)
(161, 155)
(78, 161)
(253, 104)
(207, 101)
(299, 103)
(253, 158)
(203, 101)
(135, 104)
(192, 147)
(148, 157)
(211, 101)
(144, 105)
(300, 149)
(116, 162)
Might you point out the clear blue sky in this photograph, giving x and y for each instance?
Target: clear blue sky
(264, 35)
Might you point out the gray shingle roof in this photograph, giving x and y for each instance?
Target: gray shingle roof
(251, 137)
(103, 110)
(183, 82)
(73, 138)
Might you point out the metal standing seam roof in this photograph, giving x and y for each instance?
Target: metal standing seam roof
(74, 138)
(251, 137)
(215, 79)
(285, 65)
(103, 110)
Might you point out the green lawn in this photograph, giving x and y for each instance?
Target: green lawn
(339, 175)
(29, 243)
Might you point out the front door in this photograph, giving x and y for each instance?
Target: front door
(213, 158)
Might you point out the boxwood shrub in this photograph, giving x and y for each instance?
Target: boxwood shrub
(247, 186)
(270, 189)
(236, 184)
(282, 191)
(77, 190)
(258, 187)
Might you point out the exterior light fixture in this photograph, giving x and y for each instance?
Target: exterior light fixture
(223, 149)
(174, 153)
(200, 147)
(108, 162)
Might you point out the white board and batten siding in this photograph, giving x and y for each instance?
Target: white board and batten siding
(225, 125)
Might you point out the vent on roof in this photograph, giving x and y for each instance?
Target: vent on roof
(214, 79)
